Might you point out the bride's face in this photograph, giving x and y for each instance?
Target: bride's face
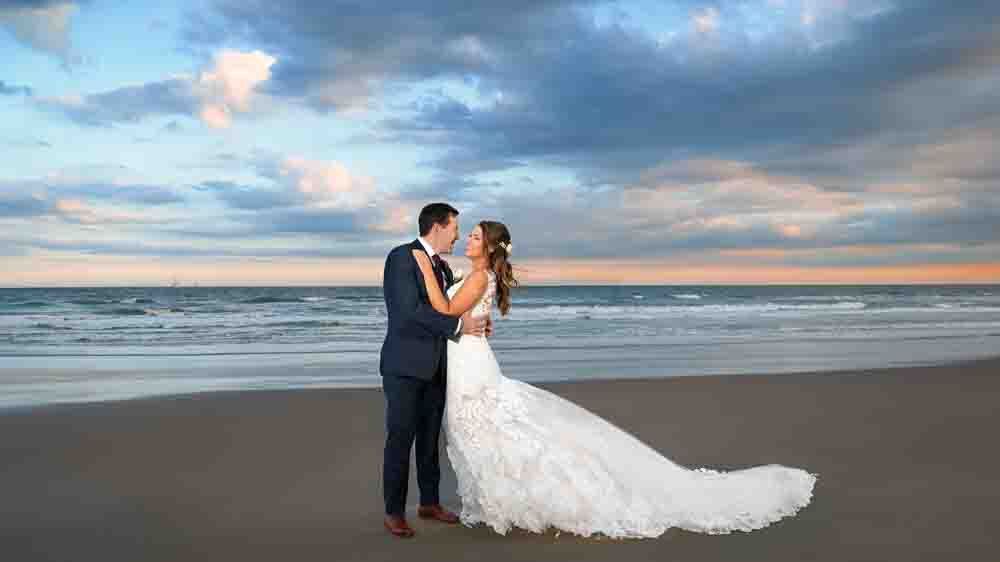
(475, 246)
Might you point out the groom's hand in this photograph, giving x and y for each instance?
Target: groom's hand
(474, 325)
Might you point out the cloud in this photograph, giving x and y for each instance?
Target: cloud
(579, 102)
(802, 130)
(964, 154)
(780, 142)
(288, 180)
(607, 103)
(14, 90)
(30, 142)
(43, 25)
(71, 210)
(31, 4)
(21, 205)
(713, 208)
(326, 184)
(306, 220)
(296, 195)
(84, 197)
(244, 197)
(134, 248)
(76, 210)
(322, 44)
(336, 59)
(113, 184)
(227, 87)
(706, 20)
(128, 104)
(123, 192)
(247, 252)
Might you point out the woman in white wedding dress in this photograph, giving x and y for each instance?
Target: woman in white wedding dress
(527, 458)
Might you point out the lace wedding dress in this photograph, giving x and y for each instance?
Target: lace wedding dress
(527, 458)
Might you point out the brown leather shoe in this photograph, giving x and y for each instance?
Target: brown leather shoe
(437, 513)
(398, 526)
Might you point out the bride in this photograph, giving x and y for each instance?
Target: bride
(527, 458)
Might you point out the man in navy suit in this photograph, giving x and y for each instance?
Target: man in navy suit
(414, 366)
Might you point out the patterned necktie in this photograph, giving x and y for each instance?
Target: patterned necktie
(439, 270)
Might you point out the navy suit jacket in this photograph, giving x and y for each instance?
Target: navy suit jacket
(417, 336)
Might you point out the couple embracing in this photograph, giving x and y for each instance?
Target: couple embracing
(524, 457)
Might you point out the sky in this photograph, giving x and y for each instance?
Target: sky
(252, 142)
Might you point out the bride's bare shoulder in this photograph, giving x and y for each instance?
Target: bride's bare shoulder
(477, 280)
(478, 277)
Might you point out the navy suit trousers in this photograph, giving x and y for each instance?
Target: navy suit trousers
(414, 410)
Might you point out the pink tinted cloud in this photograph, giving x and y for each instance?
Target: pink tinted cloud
(326, 184)
(79, 211)
(229, 85)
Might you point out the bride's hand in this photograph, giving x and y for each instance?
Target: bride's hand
(423, 261)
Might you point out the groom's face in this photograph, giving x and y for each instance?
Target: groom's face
(449, 235)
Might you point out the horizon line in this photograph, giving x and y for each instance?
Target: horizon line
(525, 285)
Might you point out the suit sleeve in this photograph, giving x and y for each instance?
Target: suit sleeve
(401, 279)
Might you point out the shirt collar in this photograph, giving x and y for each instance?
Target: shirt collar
(427, 247)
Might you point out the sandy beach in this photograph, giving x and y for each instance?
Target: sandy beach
(907, 466)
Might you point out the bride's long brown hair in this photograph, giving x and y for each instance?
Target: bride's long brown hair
(497, 241)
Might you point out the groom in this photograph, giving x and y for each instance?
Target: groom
(413, 366)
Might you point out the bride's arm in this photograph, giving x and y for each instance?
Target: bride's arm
(464, 300)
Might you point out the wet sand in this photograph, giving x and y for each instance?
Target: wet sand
(908, 470)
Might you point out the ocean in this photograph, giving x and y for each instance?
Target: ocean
(95, 344)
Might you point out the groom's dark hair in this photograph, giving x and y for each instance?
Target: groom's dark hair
(435, 213)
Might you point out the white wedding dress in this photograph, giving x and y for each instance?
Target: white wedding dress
(527, 458)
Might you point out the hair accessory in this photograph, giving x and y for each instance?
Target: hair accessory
(508, 247)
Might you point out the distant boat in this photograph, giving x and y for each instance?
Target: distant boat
(174, 284)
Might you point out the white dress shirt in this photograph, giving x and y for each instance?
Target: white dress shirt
(431, 252)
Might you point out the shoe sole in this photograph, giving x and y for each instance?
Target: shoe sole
(432, 518)
(402, 535)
